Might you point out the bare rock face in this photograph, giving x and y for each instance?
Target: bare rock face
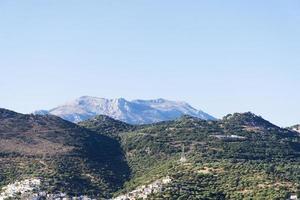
(132, 112)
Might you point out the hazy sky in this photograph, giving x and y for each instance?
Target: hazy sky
(220, 56)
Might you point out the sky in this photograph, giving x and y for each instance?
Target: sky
(219, 56)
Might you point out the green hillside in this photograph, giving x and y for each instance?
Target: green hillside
(107, 126)
(241, 156)
(67, 158)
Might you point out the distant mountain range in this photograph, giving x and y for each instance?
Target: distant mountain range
(132, 112)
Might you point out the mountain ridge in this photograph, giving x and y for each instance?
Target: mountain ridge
(106, 125)
(132, 112)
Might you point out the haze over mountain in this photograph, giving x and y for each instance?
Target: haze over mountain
(132, 112)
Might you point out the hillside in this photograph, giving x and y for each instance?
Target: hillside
(107, 126)
(132, 112)
(241, 156)
(67, 158)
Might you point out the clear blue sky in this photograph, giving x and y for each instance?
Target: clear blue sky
(220, 56)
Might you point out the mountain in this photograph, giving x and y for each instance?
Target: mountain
(238, 136)
(295, 128)
(241, 156)
(41, 112)
(248, 119)
(132, 112)
(106, 125)
(63, 156)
